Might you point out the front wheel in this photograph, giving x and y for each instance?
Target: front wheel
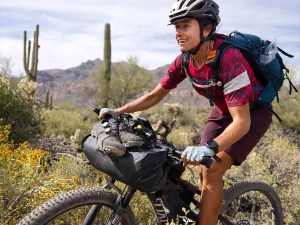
(251, 203)
(73, 206)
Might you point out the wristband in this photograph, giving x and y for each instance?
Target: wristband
(213, 145)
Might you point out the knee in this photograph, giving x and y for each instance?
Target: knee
(217, 169)
(211, 174)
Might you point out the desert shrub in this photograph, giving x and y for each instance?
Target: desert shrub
(288, 109)
(142, 209)
(28, 177)
(170, 112)
(20, 110)
(66, 121)
(188, 123)
(182, 136)
(19, 168)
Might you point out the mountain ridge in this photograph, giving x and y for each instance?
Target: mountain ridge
(75, 85)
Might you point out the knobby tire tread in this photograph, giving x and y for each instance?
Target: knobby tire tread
(243, 187)
(68, 200)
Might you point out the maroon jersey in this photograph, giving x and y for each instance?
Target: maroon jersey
(237, 78)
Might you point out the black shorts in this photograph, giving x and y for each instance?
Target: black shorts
(216, 124)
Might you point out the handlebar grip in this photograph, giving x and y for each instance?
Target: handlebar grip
(206, 161)
(178, 152)
(96, 110)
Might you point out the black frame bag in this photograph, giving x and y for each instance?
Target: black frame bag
(141, 168)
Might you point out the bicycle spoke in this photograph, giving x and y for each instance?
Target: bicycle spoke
(250, 208)
(78, 214)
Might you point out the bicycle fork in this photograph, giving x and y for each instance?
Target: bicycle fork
(121, 205)
(119, 208)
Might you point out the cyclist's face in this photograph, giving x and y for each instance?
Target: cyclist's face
(187, 34)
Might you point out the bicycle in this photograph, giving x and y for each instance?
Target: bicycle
(245, 203)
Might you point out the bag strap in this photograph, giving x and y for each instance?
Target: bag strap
(186, 56)
(285, 53)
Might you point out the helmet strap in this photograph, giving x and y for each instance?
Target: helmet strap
(202, 38)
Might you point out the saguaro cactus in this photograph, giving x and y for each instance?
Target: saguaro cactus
(106, 68)
(51, 102)
(32, 72)
(47, 99)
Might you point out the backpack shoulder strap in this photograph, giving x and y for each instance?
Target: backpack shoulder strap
(185, 64)
(185, 58)
(216, 62)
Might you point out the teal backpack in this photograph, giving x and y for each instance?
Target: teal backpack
(264, 60)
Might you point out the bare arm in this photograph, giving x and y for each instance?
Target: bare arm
(237, 129)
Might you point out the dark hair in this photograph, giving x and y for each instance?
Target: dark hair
(221, 36)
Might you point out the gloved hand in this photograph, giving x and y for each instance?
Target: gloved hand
(195, 154)
(109, 111)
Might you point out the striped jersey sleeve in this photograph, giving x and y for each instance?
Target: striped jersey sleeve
(236, 76)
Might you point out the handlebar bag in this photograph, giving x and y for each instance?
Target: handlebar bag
(141, 168)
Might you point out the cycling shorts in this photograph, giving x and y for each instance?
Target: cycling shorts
(216, 124)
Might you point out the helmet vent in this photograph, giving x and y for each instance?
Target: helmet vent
(190, 2)
(181, 4)
(213, 5)
(177, 14)
(198, 6)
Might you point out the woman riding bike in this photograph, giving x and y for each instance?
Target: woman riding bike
(231, 130)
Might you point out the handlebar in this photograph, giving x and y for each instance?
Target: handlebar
(143, 127)
(207, 161)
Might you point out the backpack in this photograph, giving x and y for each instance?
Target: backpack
(264, 60)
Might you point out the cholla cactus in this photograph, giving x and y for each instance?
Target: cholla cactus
(174, 109)
(4, 82)
(75, 137)
(27, 87)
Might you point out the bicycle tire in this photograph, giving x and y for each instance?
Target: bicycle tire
(250, 198)
(84, 197)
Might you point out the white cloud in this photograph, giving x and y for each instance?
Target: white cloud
(71, 32)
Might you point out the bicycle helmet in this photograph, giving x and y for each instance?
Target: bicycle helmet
(202, 10)
(199, 9)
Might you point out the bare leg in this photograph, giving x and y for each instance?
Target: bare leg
(212, 189)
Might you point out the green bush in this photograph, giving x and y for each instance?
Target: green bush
(66, 121)
(21, 112)
(288, 109)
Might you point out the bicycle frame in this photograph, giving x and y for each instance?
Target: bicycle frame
(123, 201)
(157, 203)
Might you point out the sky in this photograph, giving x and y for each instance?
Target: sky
(72, 31)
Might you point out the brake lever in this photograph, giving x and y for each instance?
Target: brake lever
(217, 159)
(207, 161)
(96, 110)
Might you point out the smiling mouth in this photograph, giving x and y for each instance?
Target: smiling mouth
(181, 41)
